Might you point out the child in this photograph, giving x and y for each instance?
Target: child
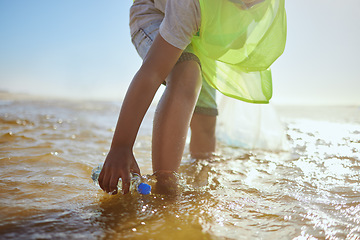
(177, 43)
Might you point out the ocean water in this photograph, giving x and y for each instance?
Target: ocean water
(308, 190)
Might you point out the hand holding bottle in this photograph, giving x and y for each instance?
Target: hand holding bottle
(119, 163)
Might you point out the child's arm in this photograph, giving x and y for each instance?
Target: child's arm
(120, 161)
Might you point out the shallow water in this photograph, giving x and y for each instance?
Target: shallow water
(48, 149)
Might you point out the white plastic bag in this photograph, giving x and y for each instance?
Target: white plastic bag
(250, 126)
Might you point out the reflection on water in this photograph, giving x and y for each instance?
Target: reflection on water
(48, 150)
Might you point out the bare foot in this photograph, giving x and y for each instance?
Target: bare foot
(167, 182)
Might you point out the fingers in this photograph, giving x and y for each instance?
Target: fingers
(113, 185)
(105, 183)
(126, 182)
(108, 181)
(101, 179)
(118, 164)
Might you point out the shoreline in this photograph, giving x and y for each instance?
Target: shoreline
(20, 96)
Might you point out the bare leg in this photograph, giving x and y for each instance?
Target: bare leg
(173, 116)
(203, 141)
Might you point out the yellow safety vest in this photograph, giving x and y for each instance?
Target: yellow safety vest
(236, 46)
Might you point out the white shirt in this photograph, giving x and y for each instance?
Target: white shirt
(180, 19)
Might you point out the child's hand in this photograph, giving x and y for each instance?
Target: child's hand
(118, 164)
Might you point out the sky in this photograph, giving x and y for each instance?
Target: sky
(82, 50)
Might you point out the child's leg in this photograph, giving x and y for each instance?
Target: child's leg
(173, 116)
(203, 122)
(203, 140)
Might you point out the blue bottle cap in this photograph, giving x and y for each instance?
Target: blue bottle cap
(144, 188)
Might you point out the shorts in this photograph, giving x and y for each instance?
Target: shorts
(143, 39)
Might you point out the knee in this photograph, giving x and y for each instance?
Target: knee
(185, 79)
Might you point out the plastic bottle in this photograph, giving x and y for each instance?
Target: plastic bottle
(136, 183)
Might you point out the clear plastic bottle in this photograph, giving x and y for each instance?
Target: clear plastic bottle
(136, 183)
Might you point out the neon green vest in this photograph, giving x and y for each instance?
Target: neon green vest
(236, 46)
